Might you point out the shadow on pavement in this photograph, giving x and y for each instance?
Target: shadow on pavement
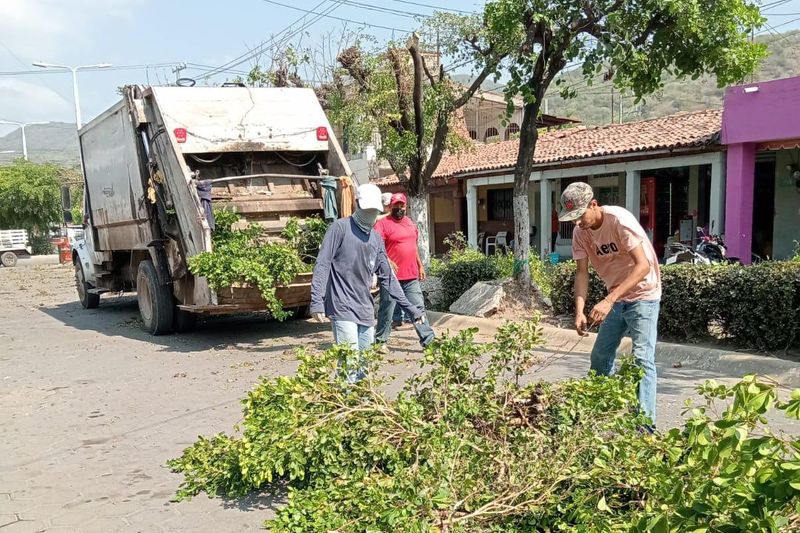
(270, 498)
(119, 317)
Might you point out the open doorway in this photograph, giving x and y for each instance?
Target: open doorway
(764, 208)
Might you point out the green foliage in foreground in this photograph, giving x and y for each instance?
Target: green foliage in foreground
(465, 448)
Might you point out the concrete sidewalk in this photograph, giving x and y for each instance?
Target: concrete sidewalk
(724, 361)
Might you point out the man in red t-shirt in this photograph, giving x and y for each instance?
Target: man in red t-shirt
(400, 236)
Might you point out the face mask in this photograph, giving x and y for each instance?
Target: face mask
(365, 218)
(398, 212)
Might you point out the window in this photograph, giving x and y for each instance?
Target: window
(491, 134)
(512, 130)
(473, 135)
(501, 204)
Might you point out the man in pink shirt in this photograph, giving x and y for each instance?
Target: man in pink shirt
(400, 236)
(613, 241)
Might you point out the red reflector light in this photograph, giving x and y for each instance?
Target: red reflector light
(180, 135)
(322, 133)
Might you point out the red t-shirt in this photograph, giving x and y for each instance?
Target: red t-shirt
(400, 238)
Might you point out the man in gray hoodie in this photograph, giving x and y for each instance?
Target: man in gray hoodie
(350, 254)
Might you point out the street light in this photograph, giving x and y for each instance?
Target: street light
(22, 127)
(74, 82)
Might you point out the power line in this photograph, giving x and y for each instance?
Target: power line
(386, 10)
(773, 28)
(251, 53)
(359, 22)
(771, 5)
(434, 7)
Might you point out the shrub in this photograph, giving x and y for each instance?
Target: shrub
(562, 293)
(41, 245)
(462, 267)
(755, 306)
(464, 448)
(760, 305)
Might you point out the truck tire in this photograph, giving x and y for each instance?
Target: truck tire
(184, 321)
(156, 305)
(88, 299)
(8, 259)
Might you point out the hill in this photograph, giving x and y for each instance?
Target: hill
(54, 142)
(592, 104)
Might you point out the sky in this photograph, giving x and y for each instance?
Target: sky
(145, 39)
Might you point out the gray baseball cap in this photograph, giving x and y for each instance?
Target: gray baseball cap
(574, 201)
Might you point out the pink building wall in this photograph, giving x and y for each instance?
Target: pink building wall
(752, 114)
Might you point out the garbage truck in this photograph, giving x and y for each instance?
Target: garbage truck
(160, 160)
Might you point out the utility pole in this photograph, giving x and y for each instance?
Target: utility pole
(620, 108)
(74, 82)
(177, 69)
(612, 104)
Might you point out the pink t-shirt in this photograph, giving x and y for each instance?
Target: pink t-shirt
(608, 250)
(400, 238)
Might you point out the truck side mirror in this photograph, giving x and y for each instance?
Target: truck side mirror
(66, 204)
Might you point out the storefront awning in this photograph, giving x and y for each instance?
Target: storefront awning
(785, 144)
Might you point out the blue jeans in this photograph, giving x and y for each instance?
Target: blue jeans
(389, 311)
(359, 338)
(640, 321)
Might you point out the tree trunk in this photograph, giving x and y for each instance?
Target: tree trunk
(418, 211)
(522, 226)
(522, 178)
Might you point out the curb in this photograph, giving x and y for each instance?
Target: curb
(727, 363)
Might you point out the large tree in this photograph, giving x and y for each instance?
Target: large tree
(30, 195)
(405, 95)
(634, 42)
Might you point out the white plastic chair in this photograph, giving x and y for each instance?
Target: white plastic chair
(502, 239)
(491, 241)
(498, 240)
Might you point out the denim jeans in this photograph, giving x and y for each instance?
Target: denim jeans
(388, 311)
(640, 321)
(359, 338)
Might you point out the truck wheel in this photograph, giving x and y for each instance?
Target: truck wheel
(184, 322)
(155, 300)
(9, 259)
(88, 299)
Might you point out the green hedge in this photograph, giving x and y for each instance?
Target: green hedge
(754, 307)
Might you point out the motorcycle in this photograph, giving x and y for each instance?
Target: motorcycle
(713, 247)
(680, 253)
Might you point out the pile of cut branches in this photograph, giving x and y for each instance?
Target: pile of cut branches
(246, 255)
(468, 447)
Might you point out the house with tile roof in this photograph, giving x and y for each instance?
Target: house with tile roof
(669, 171)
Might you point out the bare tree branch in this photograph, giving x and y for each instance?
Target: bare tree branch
(419, 114)
(472, 89)
(404, 106)
(428, 73)
(438, 146)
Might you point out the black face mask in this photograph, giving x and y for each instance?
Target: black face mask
(398, 213)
